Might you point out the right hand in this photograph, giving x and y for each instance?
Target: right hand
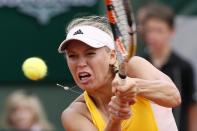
(118, 109)
(127, 91)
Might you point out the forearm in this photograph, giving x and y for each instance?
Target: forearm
(113, 125)
(161, 92)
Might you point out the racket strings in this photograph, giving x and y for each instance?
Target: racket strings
(122, 23)
(128, 31)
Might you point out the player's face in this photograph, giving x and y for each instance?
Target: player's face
(157, 34)
(89, 66)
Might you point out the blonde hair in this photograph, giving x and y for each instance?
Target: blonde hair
(96, 21)
(21, 97)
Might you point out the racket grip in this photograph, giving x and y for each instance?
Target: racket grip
(122, 70)
(122, 79)
(122, 82)
(122, 76)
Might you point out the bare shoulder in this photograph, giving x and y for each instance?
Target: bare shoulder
(137, 60)
(141, 68)
(76, 117)
(137, 64)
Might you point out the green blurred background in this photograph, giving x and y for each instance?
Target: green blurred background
(22, 36)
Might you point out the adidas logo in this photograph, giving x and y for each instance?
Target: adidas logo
(78, 32)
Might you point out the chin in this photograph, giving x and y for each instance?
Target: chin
(91, 88)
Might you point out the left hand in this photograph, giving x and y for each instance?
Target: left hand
(118, 110)
(127, 90)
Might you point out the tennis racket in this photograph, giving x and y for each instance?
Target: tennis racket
(121, 19)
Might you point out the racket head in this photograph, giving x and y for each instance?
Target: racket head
(121, 19)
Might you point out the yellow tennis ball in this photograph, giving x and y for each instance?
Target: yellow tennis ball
(34, 68)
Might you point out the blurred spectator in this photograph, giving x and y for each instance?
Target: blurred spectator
(24, 112)
(141, 14)
(158, 29)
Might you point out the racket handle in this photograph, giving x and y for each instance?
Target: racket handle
(122, 82)
(122, 76)
(122, 79)
(122, 70)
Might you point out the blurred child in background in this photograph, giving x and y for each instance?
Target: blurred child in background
(158, 30)
(24, 112)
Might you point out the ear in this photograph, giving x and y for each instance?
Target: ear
(112, 57)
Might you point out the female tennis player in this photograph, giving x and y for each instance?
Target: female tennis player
(142, 103)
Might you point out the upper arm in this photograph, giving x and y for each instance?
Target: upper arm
(160, 88)
(141, 68)
(74, 121)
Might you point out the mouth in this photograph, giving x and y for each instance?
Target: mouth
(84, 77)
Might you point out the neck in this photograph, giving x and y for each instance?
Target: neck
(102, 97)
(160, 56)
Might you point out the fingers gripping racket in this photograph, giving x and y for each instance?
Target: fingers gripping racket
(121, 19)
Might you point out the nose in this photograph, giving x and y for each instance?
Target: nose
(82, 62)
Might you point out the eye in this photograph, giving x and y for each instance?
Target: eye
(90, 53)
(72, 56)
